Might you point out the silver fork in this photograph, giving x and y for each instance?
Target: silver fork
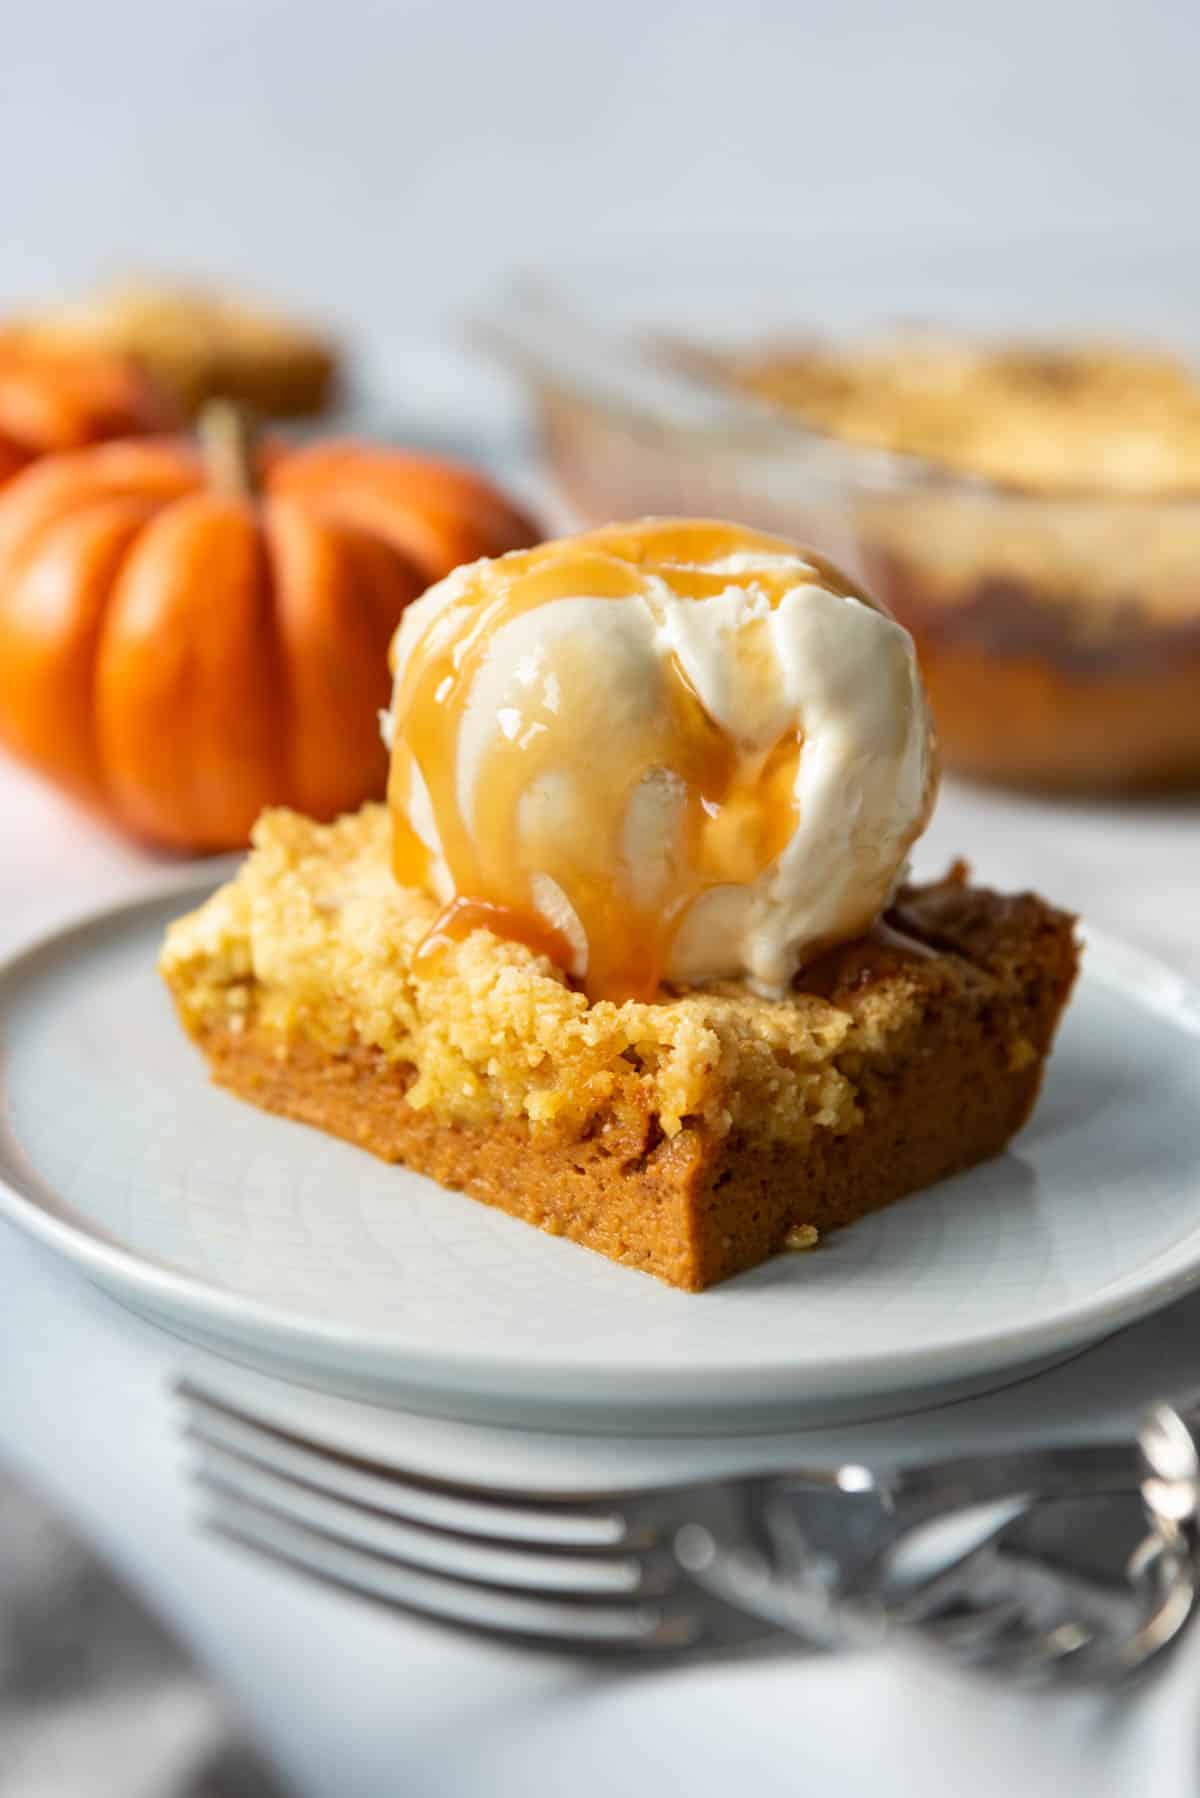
(826, 1554)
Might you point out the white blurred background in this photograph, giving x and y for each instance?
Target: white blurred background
(383, 161)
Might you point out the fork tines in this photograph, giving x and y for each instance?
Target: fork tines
(585, 1572)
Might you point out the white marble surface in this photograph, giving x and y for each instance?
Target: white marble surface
(354, 1703)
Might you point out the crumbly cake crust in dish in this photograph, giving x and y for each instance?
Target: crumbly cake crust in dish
(1056, 652)
(1052, 594)
(686, 1137)
(203, 343)
(1048, 418)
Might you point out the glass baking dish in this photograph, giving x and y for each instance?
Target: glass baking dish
(1059, 634)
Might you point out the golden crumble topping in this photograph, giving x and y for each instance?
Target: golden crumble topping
(315, 934)
(1050, 419)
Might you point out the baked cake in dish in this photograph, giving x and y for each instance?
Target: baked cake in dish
(203, 343)
(630, 953)
(1035, 417)
(1040, 538)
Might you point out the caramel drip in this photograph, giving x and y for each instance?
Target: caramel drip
(455, 922)
(558, 795)
(410, 858)
(685, 548)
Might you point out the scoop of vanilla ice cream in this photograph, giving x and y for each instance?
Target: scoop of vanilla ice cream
(690, 751)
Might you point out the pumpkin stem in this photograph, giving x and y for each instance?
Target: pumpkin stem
(227, 443)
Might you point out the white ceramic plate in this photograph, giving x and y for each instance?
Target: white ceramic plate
(304, 1255)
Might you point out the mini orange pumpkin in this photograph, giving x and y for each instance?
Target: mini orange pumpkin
(54, 398)
(188, 635)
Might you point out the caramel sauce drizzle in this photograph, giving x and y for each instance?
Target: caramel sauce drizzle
(733, 804)
(455, 922)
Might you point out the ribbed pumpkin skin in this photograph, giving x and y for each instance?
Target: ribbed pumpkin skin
(54, 399)
(179, 656)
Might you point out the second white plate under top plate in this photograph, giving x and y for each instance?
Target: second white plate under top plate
(304, 1255)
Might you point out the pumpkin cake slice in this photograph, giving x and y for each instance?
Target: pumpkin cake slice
(689, 1136)
(628, 953)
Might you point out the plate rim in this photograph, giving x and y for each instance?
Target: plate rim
(169, 1290)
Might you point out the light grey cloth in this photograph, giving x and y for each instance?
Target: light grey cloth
(96, 1700)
